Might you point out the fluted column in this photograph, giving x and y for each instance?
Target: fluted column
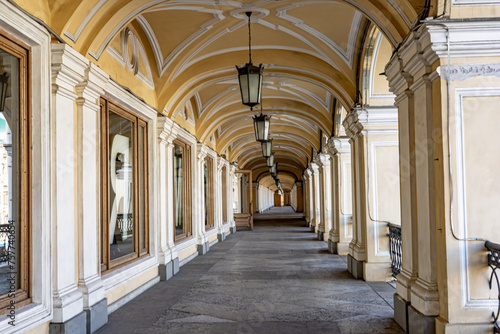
(315, 194)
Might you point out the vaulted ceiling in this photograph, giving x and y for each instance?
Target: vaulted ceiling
(180, 57)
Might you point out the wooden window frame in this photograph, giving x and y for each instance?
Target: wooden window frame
(22, 296)
(224, 194)
(210, 196)
(188, 211)
(108, 265)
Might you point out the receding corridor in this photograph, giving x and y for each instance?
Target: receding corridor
(276, 279)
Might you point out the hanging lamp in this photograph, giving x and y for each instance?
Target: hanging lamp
(250, 76)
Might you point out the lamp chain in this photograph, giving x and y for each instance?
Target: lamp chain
(249, 38)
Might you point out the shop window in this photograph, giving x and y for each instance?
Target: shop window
(208, 181)
(182, 190)
(15, 176)
(124, 186)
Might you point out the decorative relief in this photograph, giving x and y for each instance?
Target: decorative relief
(462, 72)
(130, 58)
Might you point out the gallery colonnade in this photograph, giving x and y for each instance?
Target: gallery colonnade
(123, 140)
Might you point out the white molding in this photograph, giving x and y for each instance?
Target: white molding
(20, 26)
(162, 62)
(400, 11)
(374, 195)
(462, 72)
(456, 3)
(372, 72)
(346, 55)
(128, 273)
(74, 37)
(460, 93)
(346, 163)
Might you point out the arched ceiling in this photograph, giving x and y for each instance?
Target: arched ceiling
(180, 56)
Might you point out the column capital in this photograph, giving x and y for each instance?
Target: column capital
(323, 160)
(166, 131)
(201, 151)
(352, 126)
(221, 162)
(313, 167)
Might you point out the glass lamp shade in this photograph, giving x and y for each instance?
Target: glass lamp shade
(4, 78)
(274, 170)
(261, 125)
(250, 79)
(267, 148)
(270, 160)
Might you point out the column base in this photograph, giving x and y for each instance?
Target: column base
(221, 237)
(377, 272)
(203, 248)
(355, 267)
(75, 325)
(313, 228)
(168, 270)
(332, 246)
(233, 229)
(419, 323)
(97, 316)
(321, 235)
(401, 312)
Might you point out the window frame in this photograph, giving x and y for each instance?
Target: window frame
(108, 265)
(188, 214)
(22, 295)
(209, 161)
(224, 194)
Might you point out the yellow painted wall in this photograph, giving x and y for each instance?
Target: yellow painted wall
(212, 238)
(42, 329)
(187, 252)
(127, 288)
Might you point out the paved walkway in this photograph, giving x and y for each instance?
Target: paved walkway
(276, 279)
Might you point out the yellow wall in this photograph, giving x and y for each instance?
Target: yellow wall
(127, 288)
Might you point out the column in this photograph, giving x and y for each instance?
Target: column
(325, 189)
(310, 215)
(199, 223)
(230, 193)
(299, 199)
(315, 194)
(447, 97)
(168, 256)
(341, 233)
(219, 221)
(375, 155)
(256, 198)
(68, 69)
(89, 280)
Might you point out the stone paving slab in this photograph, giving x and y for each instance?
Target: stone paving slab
(276, 279)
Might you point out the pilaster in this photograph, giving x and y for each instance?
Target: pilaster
(325, 189)
(68, 69)
(89, 282)
(199, 225)
(168, 256)
(315, 197)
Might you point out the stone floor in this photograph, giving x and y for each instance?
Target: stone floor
(276, 279)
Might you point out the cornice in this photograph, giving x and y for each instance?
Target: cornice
(462, 72)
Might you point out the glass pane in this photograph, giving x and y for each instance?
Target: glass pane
(244, 88)
(121, 192)
(142, 200)
(253, 83)
(205, 182)
(10, 170)
(179, 189)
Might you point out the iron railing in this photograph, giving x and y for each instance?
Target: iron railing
(4, 243)
(494, 263)
(395, 248)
